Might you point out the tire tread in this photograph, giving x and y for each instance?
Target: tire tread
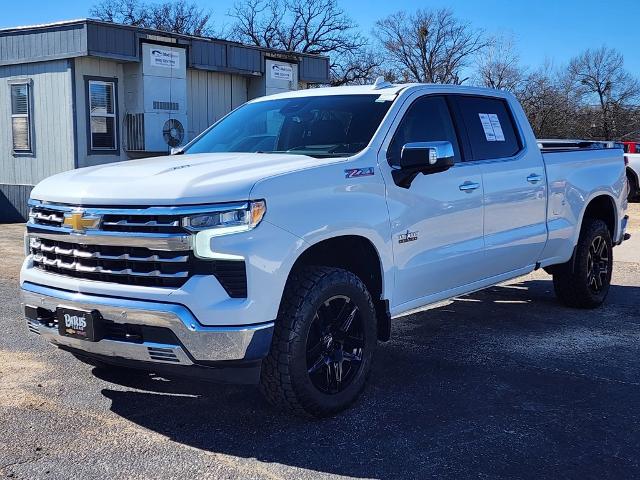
(276, 383)
(568, 284)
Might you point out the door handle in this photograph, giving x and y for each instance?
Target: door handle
(469, 186)
(534, 178)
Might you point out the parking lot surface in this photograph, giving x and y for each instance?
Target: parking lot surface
(502, 383)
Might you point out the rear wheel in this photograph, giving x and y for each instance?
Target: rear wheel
(323, 343)
(584, 281)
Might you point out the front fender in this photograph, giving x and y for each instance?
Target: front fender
(321, 203)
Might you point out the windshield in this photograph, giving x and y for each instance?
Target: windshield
(318, 126)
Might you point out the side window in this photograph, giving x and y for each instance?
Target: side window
(489, 126)
(21, 127)
(426, 120)
(101, 107)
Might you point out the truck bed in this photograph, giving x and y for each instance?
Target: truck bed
(574, 177)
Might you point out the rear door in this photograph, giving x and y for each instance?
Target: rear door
(437, 221)
(515, 188)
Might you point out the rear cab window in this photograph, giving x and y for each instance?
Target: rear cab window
(489, 125)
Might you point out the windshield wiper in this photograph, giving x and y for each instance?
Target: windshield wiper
(312, 153)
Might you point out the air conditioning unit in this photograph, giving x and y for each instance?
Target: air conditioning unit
(156, 100)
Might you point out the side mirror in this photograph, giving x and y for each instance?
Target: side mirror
(427, 157)
(423, 157)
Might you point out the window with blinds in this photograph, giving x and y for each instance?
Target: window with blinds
(21, 117)
(102, 115)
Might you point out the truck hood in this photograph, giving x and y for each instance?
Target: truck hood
(171, 180)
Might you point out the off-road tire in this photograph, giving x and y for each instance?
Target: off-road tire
(285, 381)
(570, 280)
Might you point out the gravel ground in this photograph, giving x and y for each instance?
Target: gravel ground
(503, 383)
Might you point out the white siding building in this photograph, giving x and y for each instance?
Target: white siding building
(86, 92)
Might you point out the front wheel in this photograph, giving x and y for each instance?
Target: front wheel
(323, 343)
(584, 281)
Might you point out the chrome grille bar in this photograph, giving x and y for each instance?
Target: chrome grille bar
(163, 242)
(72, 252)
(52, 217)
(78, 267)
(151, 223)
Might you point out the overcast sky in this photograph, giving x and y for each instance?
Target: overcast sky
(543, 29)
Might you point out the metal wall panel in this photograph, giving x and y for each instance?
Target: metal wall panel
(31, 45)
(52, 117)
(206, 55)
(13, 203)
(238, 91)
(112, 41)
(243, 58)
(314, 69)
(210, 96)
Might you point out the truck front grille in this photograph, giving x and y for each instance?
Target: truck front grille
(146, 246)
(128, 265)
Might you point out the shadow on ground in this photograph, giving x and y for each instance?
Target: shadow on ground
(505, 382)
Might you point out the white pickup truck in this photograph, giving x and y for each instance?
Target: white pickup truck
(277, 247)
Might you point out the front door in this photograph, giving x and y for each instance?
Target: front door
(437, 222)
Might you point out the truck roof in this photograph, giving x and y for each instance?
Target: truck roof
(383, 89)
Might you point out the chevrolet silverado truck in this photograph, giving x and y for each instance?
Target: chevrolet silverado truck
(278, 245)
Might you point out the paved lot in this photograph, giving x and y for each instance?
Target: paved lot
(504, 383)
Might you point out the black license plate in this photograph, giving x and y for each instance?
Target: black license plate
(82, 324)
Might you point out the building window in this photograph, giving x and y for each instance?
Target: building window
(21, 117)
(102, 115)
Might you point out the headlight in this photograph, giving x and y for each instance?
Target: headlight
(234, 220)
(223, 222)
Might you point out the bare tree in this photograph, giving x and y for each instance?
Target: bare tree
(306, 26)
(127, 12)
(177, 16)
(551, 106)
(499, 66)
(354, 68)
(599, 76)
(429, 45)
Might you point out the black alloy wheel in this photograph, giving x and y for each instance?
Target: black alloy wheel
(323, 343)
(598, 264)
(584, 281)
(335, 345)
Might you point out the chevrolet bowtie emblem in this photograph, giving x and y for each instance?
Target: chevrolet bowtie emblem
(79, 222)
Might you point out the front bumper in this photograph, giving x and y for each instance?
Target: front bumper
(166, 333)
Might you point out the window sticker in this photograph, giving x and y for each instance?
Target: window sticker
(491, 126)
(497, 128)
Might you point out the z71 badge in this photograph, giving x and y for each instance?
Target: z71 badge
(407, 237)
(358, 172)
